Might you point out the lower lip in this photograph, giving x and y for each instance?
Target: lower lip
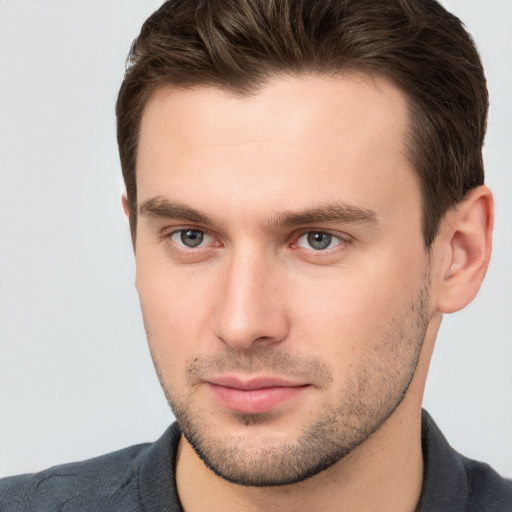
(255, 401)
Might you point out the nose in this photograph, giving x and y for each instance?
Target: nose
(251, 303)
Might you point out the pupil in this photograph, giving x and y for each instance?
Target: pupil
(191, 238)
(319, 240)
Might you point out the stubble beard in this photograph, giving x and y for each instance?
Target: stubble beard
(370, 395)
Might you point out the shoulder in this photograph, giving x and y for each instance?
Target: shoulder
(487, 490)
(108, 482)
(454, 482)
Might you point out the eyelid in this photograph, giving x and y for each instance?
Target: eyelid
(177, 236)
(342, 237)
(168, 233)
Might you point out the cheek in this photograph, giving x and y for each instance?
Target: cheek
(352, 311)
(175, 309)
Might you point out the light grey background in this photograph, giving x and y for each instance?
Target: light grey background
(76, 379)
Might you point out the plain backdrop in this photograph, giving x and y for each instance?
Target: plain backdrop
(76, 378)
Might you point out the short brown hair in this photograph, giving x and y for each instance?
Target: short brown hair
(239, 45)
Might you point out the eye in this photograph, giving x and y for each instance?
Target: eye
(190, 238)
(318, 240)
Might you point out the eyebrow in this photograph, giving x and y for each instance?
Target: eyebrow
(331, 212)
(158, 207)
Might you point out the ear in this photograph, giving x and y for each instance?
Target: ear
(465, 242)
(128, 212)
(126, 205)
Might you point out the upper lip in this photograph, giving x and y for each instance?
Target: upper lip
(250, 384)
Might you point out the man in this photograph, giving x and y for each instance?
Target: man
(306, 199)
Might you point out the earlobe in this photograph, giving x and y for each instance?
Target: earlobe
(466, 239)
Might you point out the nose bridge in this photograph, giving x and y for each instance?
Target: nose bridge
(250, 309)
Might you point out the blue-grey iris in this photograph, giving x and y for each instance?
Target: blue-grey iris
(319, 241)
(192, 237)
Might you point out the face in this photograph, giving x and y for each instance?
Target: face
(281, 269)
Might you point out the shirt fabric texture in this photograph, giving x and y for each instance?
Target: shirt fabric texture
(141, 479)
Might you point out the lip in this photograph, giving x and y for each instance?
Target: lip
(256, 395)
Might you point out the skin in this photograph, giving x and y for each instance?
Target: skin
(353, 324)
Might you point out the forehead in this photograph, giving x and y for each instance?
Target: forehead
(295, 142)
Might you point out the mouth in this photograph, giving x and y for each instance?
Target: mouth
(256, 395)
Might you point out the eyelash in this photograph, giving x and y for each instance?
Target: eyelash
(181, 247)
(342, 241)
